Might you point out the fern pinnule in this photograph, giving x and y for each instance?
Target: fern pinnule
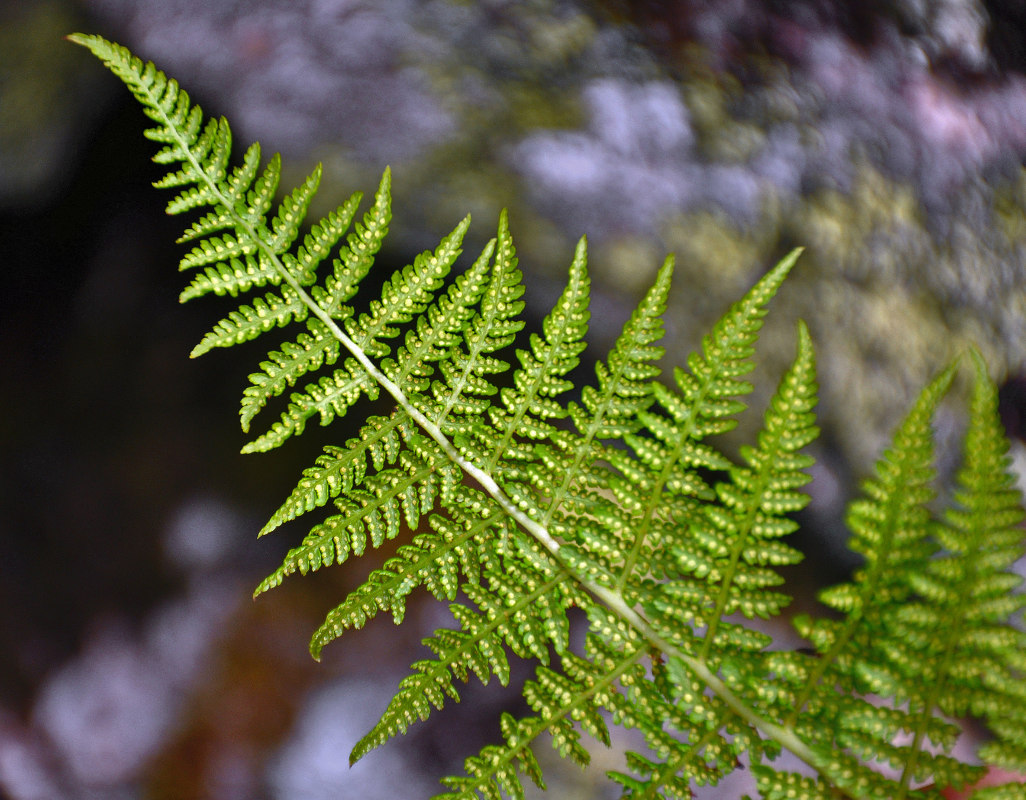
(713, 381)
(339, 469)
(357, 257)
(249, 321)
(697, 742)
(404, 486)
(570, 464)
(513, 613)
(328, 397)
(311, 349)
(406, 295)
(741, 540)
(531, 401)
(564, 703)
(438, 331)
(434, 558)
(609, 410)
(774, 785)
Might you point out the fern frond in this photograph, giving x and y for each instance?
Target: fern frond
(521, 503)
(961, 629)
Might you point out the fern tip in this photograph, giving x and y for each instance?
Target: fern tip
(788, 261)
(88, 40)
(979, 363)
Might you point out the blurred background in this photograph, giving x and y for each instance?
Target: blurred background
(887, 137)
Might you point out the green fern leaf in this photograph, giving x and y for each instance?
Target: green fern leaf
(406, 295)
(960, 630)
(439, 329)
(357, 257)
(317, 347)
(521, 503)
(745, 527)
(610, 410)
(331, 396)
(669, 456)
(249, 321)
(232, 278)
(508, 619)
(435, 559)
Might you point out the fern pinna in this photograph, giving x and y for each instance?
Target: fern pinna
(524, 503)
